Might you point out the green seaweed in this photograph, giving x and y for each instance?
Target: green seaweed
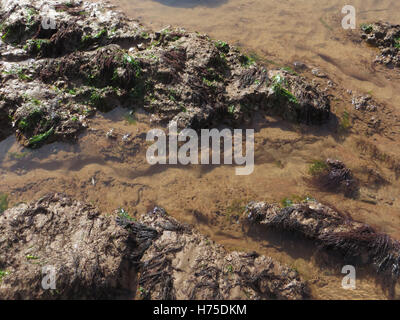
(23, 125)
(72, 92)
(32, 119)
(31, 13)
(208, 83)
(128, 59)
(18, 156)
(19, 72)
(286, 202)
(317, 167)
(367, 28)
(3, 202)
(325, 24)
(31, 257)
(397, 43)
(35, 141)
(88, 39)
(95, 99)
(3, 274)
(345, 123)
(290, 96)
(231, 109)
(36, 102)
(247, 61)
(36, 45)
(290, 201)
(222, 46)
(100, 34)
(213, 75)
(290, 70)
(278, 83)
(6, 33)
(124, 214)
(15, 33)
(130, 117)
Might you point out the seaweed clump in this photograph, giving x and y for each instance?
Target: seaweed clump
(208, 271)
(331, 230)
(333, 176)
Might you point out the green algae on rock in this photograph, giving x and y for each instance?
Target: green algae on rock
(114, 61)
(386, 37)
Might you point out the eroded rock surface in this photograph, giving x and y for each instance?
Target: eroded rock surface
(183, 264)
(97, 256)
(332, 230)
(89, 252)
(98, 59)
(386, 37)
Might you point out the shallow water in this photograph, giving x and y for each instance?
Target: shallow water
(283, 32)
(112, 174)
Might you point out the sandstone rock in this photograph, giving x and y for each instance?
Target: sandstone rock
(89, 252)
(331, 230)
(97, 257)
(386, 37)
(183, 264)
(82, 65)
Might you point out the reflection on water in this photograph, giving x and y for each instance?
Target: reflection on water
(192, 3)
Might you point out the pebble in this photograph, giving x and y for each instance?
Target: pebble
(126, 137)
(110, 134)
(299, 65)
(316, 72)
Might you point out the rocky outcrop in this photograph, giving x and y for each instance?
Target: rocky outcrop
(386, 37)
(331, 230)
(96, 256)
(98, 59)
(333, 176)
(89, 252)
(364, 103)
(183, 264)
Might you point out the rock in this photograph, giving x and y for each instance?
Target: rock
(298, 65)
(334, 176)
(183, 264)
(318, 73)
(364, 103)
(110, 134)
(331, 230)
(386, 37)
(173, 75)
(95, 256)
(89, 252)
